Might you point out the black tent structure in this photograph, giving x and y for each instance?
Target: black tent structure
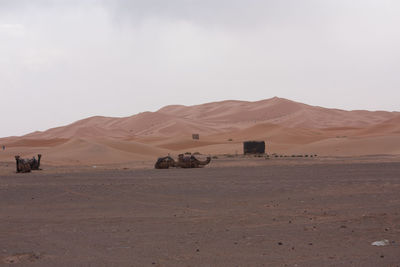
(254, 147)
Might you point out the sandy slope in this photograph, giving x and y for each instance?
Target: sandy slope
(287, 127)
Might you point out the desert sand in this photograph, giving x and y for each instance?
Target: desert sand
(327, 188)
(286, 126)
(292, 212)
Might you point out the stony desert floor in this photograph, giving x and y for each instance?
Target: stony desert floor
(310, 212)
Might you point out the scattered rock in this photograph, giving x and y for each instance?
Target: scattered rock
(380, 243)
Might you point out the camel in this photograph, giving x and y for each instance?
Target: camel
(26, 165)
(165, 163)
(22, 164)
(184, 161)
(190, 161)
(35, 163)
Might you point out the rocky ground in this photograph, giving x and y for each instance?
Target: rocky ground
(303, 214)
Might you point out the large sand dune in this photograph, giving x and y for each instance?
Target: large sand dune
(287, 127)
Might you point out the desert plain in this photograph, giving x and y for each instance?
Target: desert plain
(99, 201)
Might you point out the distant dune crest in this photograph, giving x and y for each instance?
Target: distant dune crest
(218, 117)
(287, 127)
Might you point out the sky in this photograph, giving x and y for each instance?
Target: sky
(65, 60)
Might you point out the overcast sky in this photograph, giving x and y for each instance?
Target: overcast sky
(64, 60)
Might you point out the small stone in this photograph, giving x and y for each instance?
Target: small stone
(280, 243)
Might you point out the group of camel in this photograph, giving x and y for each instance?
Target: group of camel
(184, 161)
(26, 165)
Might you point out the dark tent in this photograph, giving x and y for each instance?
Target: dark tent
(254, 147)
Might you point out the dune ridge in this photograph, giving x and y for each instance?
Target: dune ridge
(286, 126)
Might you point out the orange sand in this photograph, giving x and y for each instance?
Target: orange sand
(287, 127)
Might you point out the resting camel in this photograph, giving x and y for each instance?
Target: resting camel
(184, 161)
(35, 163)
(22, 165)
(26, 165)
(165, 163)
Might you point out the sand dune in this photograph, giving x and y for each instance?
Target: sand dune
(286, 126)
(278, 111)
(99, 151)
(28, 142)
(388, 127)
(350, 146)
(217, 117)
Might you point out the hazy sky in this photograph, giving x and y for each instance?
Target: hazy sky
(64, 60)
